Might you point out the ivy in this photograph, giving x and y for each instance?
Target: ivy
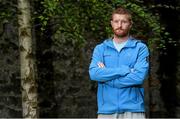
(78, 18)
(7, 14)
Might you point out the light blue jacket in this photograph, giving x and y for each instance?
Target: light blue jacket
(120, 82)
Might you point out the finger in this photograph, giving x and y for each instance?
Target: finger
(101, 65)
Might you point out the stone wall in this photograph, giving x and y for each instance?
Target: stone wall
(10, 92)
(64, 86)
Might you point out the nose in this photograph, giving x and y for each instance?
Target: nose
(119, 24)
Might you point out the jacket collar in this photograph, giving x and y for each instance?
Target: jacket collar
(130, 43)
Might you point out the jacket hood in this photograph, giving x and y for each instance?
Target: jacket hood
(130, 43)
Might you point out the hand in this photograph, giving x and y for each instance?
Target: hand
(101, 65)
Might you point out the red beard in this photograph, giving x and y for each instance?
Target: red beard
(120, 32)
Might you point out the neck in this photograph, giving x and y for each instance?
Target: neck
(120, 39)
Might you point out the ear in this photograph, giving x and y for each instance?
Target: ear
(111, 22)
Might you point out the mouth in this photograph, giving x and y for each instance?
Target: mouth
(119, 29)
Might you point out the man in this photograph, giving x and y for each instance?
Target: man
(120, 65)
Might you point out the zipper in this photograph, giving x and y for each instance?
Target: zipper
(118, 89)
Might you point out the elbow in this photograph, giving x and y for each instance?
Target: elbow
(140, 82)
(142, 75)
(93, 75)
(141, 79)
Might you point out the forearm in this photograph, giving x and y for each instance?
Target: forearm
(106, 74)
(135, 78)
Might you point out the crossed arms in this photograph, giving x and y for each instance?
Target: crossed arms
(120, 77)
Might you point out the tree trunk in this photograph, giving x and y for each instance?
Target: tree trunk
(28, 82)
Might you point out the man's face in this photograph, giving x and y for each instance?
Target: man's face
(121, 24)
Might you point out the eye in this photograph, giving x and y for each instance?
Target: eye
(116, 21)
(124, 22)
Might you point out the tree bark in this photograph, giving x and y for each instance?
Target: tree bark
(28, 82)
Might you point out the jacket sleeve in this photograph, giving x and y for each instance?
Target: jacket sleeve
(104, 74)
(138, 73)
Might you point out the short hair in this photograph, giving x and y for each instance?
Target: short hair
(122, 10)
